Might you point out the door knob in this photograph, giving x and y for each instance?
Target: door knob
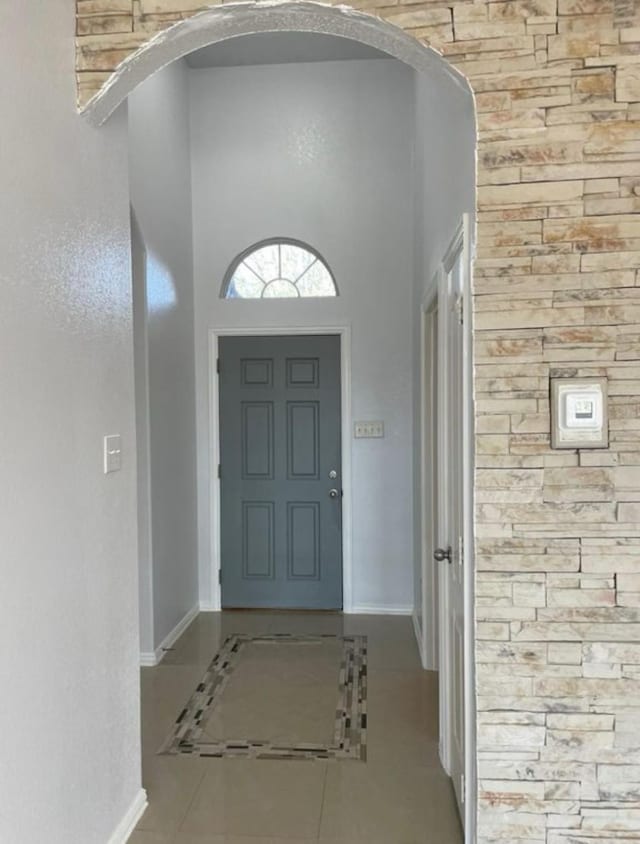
(334, 493)
(440, 555)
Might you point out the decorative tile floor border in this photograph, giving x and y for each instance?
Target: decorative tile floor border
(350, 733)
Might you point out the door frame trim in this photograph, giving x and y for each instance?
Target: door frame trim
(213, 431)
(429, 361)
(468, 478)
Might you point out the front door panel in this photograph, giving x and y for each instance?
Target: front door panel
(280, 425)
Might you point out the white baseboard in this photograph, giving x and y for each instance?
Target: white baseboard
(150, 658)
(375, 609)
(358, 609)
(123, 831)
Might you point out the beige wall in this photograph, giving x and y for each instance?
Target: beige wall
(556, 291)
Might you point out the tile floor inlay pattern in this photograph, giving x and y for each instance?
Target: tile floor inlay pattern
(199, 730)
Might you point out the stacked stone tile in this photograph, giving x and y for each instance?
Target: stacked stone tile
(556, 292)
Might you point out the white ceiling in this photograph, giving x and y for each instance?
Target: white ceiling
(281, 48)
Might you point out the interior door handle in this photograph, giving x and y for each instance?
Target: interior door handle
(334, 493)
(440, 555)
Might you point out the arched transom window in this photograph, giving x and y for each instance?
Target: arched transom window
(278, 269)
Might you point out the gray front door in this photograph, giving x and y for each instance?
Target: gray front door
(281, 487)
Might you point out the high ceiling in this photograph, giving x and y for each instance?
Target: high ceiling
(281, 48)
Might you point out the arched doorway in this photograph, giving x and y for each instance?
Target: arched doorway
(233, 20)
(234, 24)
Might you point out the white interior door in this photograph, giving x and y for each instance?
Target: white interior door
(451, 522)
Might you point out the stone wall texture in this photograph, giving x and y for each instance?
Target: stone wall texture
(556, 292)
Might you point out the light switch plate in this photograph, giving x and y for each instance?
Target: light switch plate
(579, 417)
(368, 430)
(112, 453)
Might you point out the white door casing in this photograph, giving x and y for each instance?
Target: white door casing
(452, 536)
(344, 331)
(427, 597)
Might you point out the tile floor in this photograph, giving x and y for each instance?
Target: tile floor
(400, 795)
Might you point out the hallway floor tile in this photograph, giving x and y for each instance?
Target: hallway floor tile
(400, 795)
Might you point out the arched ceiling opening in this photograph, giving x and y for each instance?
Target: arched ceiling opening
(221, 23)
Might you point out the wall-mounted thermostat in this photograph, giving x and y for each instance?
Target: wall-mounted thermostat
(579, 413)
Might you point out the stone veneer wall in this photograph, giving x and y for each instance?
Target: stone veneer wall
(556, 291)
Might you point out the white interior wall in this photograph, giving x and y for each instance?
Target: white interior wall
(444, 188)
(322, 153)
(160, 167)
(445, 167)
(70, 759)
(303, 151)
